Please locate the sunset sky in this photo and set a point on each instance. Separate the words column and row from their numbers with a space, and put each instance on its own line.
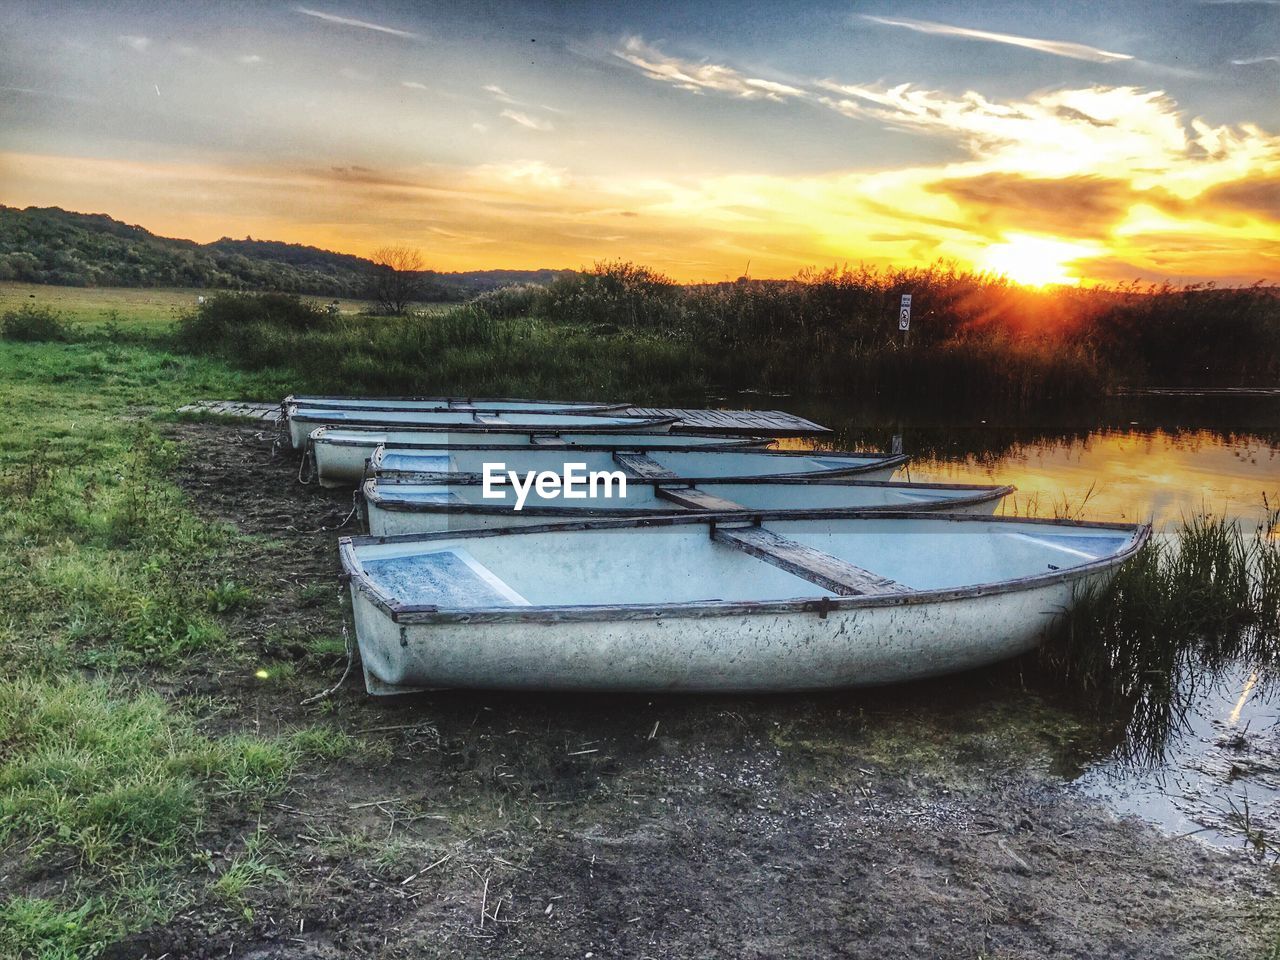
column 1054, row 142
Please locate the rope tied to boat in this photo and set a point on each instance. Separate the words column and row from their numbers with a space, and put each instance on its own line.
column 343, row 580
column 355, row 508
column 308, row 458
column 282, row 430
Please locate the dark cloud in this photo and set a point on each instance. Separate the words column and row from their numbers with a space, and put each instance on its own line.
column 1066, row 207
column 1259, row 197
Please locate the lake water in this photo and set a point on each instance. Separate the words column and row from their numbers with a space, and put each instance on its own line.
column 1130, row 459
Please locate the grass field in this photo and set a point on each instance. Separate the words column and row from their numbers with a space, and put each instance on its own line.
column 170, row 600
column 154, row 309
column 109, row 579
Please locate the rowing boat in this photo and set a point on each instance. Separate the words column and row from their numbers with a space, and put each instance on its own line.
column 393, row 508
column 489, row 404
column 713, row 603
column 689, row 466
column 303, row 420
column 342, row 455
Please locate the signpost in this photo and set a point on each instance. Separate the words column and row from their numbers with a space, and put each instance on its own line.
column 904, row 317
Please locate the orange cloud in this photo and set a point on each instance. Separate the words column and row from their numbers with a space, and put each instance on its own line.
column 1105, row 182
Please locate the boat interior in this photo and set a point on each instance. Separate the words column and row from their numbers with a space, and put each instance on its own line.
column 703, row 561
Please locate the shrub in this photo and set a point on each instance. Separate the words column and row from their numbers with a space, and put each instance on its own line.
column 36, row 323
column 626, row 328
column 227, row 317
column 508, row 303
column 617, row 293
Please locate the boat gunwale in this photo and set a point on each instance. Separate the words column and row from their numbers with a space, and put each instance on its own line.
column 873, row 460
column 978, row 494
column 730, row 443
column 636, row 424
column 823, row 604
column 385, row 404
column 874, row 455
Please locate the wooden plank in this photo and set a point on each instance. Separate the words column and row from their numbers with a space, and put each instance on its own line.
column 756, row 422
column 234, row 408
column 641, row 465
column 696, row 499
column 830, row 573
column 547, row 441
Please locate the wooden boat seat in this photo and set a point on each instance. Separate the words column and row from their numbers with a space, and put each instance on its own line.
column 491, row 419
column 695, row 499
column 641, row 466
column 547, row 441
column 831, row 573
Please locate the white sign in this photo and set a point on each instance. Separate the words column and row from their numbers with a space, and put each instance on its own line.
column 904, row 313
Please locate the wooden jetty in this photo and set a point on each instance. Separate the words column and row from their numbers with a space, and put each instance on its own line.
column 759, row 423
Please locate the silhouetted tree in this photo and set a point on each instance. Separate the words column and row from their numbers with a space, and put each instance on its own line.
column 397, row 278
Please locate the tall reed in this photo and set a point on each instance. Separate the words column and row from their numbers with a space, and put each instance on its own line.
column 1187, row 606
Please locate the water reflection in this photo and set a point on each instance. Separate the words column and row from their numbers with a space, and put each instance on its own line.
column 1219, row 777
column 1186, row 737
column 1135, row 459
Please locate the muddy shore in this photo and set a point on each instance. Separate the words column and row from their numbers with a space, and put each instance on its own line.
column 930, row 820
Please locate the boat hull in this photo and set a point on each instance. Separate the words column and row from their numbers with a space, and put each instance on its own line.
column 735, row 653
column 343, row 463
column 719, row 603
column 302, row 421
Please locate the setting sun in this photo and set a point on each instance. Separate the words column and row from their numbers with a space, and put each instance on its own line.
column 1034, row 261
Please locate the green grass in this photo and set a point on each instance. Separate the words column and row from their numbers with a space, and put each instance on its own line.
column 119, row 785
column 111, row 567
column 250, row 870
column 111, row 777
column 39, row 928
column 109, row 577
column 101, row 560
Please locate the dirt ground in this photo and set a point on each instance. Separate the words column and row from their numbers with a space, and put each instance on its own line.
column 930, row 820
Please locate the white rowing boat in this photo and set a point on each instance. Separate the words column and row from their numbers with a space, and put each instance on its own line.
column 394, row 508
column 303, row 420
column 689, row 466
column 712, row 603
column 341, row 455
column 488, row 404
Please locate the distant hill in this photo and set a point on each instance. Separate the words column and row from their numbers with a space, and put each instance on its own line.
column 55, row 246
